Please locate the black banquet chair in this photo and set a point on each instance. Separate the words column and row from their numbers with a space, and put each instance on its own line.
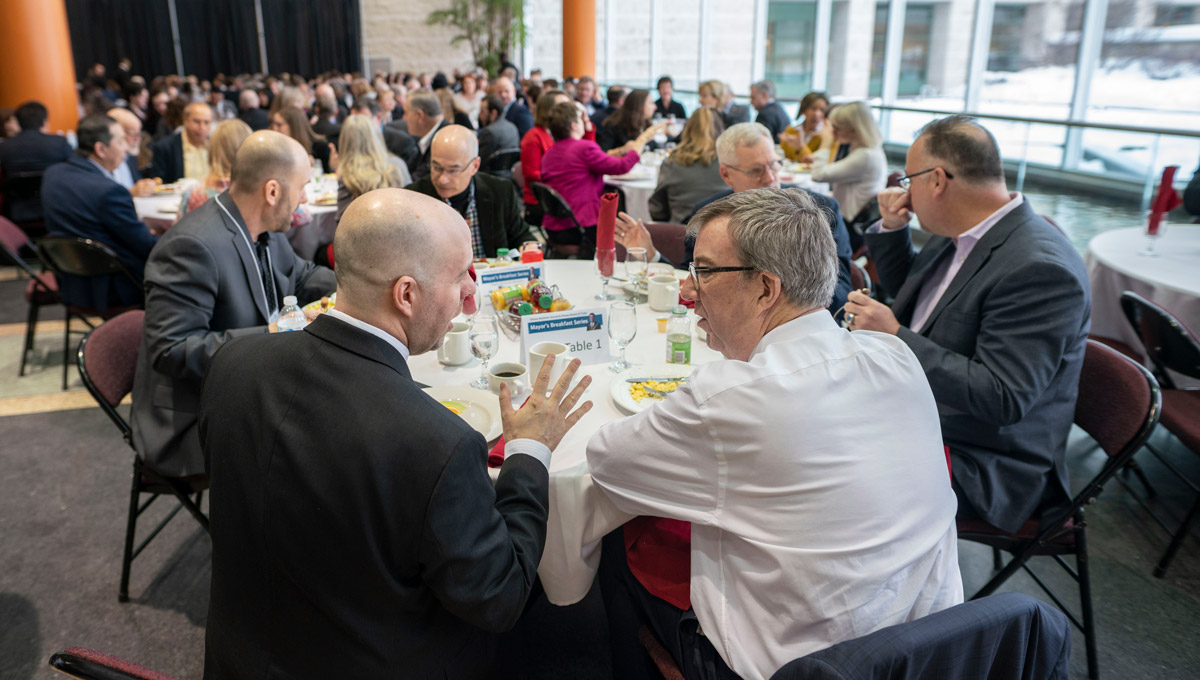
column 40, row 291
column 83, row 258
column 88, row 664
column 107, row 359
column 1172, row 347
column 1118, row 406
column 555, row 205
column 501, row 162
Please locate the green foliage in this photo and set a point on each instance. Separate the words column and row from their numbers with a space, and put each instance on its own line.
column 490, row 27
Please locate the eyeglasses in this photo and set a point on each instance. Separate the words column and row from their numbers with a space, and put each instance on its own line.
column 756, row 173
column 906, row 181
column 435, row 169
column 695, row 272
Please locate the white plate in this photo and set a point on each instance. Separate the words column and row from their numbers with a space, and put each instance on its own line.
column 482, row 408
column 631, row 176
column 619, row 389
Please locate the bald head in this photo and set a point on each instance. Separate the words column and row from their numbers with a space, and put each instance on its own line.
column 132, row 125
column 455, row 141
column 266, row 155
column 247, row 100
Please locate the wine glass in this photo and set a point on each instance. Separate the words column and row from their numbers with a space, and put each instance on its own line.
column 622, row 328
column 485, row 335
column 606, row 259
column 637, row 262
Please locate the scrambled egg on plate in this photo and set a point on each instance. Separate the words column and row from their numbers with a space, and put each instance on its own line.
column 638, row 391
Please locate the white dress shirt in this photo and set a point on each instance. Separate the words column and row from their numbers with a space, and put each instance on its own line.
column 529, row 447
column 816, row 483
column 939, row 280
column 123, row 175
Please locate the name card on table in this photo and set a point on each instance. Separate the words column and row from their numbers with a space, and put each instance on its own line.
column 581, row 330
column 501, row 277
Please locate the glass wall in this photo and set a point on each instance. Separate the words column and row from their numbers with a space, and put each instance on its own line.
column 789, row 46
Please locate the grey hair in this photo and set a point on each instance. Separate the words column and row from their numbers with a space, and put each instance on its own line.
column 782, row 231
column 742, row 134
column 765, row 86
column 426, row 101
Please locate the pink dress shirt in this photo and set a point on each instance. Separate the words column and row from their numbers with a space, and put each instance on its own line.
column 576, row 168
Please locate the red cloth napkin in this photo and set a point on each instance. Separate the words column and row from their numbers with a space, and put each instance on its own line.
column 469, row 303
column 606, row 222
column 496, row 455
column 659, row 553
column 1166, row 200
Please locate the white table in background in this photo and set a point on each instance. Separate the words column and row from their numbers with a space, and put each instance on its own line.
column 160, row 212
column 580, row 514
column 1171, row 280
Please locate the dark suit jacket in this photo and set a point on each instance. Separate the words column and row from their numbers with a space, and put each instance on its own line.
column 256, row 118
column 501, row 134
column 82, row 201
column 418, row 166
column 499, row 208
column 775, row 118
column 356, row 533
column 1003, row 637
column 26, row 152
column 202, row 290
column 675, row 109
column 1191, row 195
column 737, row 113
column 330, row 131
column 1002, row 350
column 401, row 144
column 167, row 161
column 518, row 114
column 601, row 114
column 837, row 226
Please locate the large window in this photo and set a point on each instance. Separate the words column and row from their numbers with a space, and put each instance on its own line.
column 789, row 59
column 914, row 51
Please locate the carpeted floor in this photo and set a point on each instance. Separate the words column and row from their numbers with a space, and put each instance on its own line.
column 63, row 486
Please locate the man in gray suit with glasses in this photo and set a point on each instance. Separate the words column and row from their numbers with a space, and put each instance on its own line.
column 996, row 306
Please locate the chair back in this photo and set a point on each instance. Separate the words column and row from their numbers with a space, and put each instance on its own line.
column 107, row 360
column 553, row 203
column 668, row 240
column 1168, row 343
column 859, row 278
column 518, row 178
column 83, row 257
column 12, row 240
column 88, row 664
column 1118, row 406
column 23, row 190
column 1009, row 635
column 501, row 162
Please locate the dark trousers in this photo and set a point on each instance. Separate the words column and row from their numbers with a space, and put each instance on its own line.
column 630, row 606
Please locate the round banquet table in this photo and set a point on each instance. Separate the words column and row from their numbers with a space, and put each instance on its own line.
column 159, row 212
column 580, row 514
column 639, row 184
column 1171, row 280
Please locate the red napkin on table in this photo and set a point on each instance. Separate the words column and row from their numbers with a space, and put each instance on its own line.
column 606, row 222
column 1166, row 200
column 496, row 454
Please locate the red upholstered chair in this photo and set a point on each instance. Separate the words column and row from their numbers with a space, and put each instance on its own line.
column 659, row 654
column 88, row 664
column 84, row 258
column 107, row 359
column 1119, row 405
column 668, row 240
column 1171, row 346
column 42, row 289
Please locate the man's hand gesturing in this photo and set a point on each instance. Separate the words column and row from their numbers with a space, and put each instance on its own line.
column 545, row 419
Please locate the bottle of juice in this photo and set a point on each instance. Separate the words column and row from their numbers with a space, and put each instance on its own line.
column 679, row 337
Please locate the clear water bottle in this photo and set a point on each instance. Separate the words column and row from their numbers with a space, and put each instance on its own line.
column 679, row 337
column 291, row 317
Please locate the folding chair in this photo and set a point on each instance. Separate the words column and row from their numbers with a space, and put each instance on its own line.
column 1171, row 346
column 107, row 359
column 42, row 289
column 23, row 202
column 554, row 205
column 83, row 258
column 88, row 664
column 1118, row 406
column 501, row 162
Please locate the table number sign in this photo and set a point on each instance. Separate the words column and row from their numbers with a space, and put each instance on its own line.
column 581, row 330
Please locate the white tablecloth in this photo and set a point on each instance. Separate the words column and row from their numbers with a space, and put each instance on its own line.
column 641, row 181
column 160, row 212
column 580, row 514
column 1171, row 280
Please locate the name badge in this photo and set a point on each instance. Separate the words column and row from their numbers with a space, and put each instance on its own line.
column 581, row 330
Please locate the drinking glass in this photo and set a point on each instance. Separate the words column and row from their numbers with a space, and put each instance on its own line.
column 637, row 262
column 1151, row 239
column 606, row 259
column 485, row 335
column 622, row 328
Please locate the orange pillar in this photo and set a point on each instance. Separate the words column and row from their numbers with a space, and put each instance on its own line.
column 37, row 60
column 579, row 38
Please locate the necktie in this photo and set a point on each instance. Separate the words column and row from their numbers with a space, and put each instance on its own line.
column 268, row 276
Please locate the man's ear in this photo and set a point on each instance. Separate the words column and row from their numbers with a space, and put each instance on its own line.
column 404, row 296
column 272, row 192
column 770, row 291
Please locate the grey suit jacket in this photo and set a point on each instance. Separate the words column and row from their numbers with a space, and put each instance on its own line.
column 202, row 290
column 501, row 134
column 681, row 187
column 1002, row 350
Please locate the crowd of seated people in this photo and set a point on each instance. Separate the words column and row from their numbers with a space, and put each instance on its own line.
column 768, row 265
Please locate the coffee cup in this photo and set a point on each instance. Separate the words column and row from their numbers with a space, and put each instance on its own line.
column 538, row 354
column 507, row 372
column 456, row 346
column 660, row 269
column 663, row 293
